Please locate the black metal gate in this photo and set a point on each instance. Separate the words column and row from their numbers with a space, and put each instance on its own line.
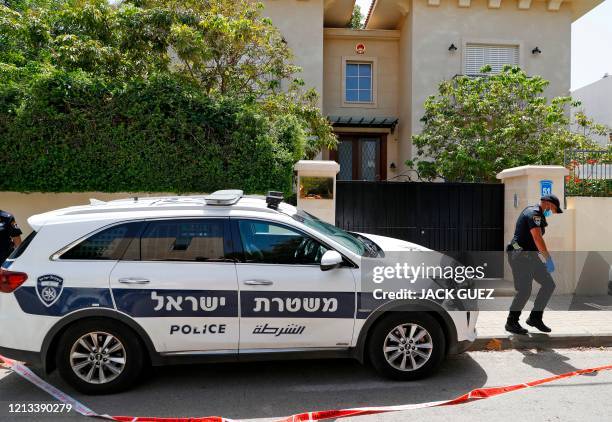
column 440, row 216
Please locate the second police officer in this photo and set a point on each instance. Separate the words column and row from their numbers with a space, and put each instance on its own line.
column 10, row 235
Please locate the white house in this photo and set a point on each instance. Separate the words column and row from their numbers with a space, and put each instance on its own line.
column 596, row 100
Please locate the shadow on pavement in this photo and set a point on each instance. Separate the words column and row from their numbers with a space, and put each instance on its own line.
column 550, row 360
column 265, row 389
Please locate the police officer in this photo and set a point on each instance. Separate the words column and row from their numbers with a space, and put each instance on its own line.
column 10, row 235
column 524, row 252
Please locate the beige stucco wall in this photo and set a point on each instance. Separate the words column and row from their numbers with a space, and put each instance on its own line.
column 382, row 48
column 435, row 28
column 325, row 209
column 593, row 241
column 524, row 182
column 24, row 205
column 405, row 93
column 383, row 51
column 580, row 239
column 301, row 24
column 410, row 67
column 593, row 219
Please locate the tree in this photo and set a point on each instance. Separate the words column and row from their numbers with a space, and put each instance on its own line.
column 114, row 42
column 477, row 126
column 227, row 48
column 356, row 21
column 150, row 95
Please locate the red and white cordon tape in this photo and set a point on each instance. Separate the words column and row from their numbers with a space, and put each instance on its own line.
column 477, row 394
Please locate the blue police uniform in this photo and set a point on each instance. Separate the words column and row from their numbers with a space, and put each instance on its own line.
column 8, row 230
column 527, row 266
column 530, row 217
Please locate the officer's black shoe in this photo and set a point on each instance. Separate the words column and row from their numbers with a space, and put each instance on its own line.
column 515, row 328
column 539, row 324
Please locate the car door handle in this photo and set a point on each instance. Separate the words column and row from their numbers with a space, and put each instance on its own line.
column 134, row 280
column 258, row 282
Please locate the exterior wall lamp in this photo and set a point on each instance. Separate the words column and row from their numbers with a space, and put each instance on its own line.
column 452, row 48
column 536, row 51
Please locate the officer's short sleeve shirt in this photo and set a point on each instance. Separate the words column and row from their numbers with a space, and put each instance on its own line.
column 530, row 218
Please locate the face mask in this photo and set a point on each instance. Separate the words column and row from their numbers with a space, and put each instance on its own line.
column 547, row 213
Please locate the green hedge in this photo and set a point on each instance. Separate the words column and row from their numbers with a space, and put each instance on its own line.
column 68, row 131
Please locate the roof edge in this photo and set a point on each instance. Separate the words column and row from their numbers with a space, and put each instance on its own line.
column 348, row 33
column 579, row 8
column 370, row 10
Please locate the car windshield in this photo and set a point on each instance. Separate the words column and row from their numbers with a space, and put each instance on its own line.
column 354, row 242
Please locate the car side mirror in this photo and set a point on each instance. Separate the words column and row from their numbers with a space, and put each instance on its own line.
column 330, row 260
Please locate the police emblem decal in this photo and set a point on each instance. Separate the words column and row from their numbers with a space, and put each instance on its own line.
column 49, row 288
column 537, row 220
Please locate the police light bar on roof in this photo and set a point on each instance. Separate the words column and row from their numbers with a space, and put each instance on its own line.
column 224, row 197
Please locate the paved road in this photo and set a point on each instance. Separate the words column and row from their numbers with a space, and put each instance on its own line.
column 266, row 390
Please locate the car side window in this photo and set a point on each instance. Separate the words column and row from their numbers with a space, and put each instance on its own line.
column 108, row 244
column 271, row 243
column 198, row 240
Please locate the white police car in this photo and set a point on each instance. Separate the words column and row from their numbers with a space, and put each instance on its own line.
column 100, row 291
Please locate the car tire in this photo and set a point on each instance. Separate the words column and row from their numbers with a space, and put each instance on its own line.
column 99, row 357
column 397, row 355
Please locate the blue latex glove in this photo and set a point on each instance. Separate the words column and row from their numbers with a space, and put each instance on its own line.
column 550, row 265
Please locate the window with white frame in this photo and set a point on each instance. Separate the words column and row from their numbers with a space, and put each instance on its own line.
column 358, row 82
column 496, row 56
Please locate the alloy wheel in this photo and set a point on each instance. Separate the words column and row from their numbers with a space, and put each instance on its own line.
column 98, row 357
column 408, row 347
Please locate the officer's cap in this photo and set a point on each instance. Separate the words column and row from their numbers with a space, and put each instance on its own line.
column 553, row 199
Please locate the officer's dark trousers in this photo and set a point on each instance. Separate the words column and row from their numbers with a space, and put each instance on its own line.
column 526, row 267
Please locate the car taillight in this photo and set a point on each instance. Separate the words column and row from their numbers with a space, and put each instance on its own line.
column 11, row 280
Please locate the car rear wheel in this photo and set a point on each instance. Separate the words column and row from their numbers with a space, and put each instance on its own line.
column 99, row 357
column 407, row 346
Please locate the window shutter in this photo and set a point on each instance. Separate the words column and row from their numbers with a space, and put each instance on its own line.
column 496, row 56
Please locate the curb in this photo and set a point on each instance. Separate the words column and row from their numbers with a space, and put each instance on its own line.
column 541, row 341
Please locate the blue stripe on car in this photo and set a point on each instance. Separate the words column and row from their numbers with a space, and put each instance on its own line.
column 148, row 303
column 142, row 303
column 272, row 304
column 71, row 299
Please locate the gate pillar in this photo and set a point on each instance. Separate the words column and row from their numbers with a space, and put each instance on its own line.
column 316, row 188
column 524, row 186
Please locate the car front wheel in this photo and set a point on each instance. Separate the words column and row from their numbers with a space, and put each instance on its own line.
column 407, row 346
column 99, row 357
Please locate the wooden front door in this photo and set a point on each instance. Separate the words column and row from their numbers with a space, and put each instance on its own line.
column 361, row 156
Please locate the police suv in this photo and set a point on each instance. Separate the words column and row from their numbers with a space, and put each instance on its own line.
column 103, row 290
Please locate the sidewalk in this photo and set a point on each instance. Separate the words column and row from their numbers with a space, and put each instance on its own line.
column 592, row 328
